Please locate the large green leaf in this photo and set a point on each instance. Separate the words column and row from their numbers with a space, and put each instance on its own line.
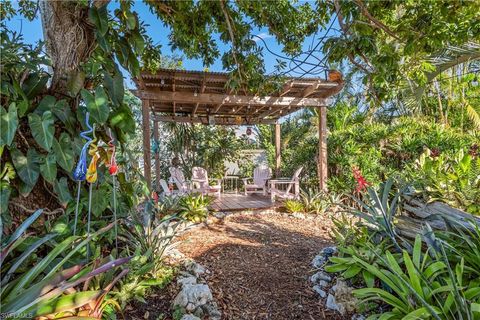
column 42, row 128
column 97, row 105
column 61, row 189
column 27, row 166
column 75, row 82
column 67, row 302
column 34, row 84
column 99, row 16
column 63, row 151
column 123, row 119
column 48, row 169
column 8, row 124
column 46, row 104
column 4, row 196
column 100, row 199
column 64, row 113
column 114, row 86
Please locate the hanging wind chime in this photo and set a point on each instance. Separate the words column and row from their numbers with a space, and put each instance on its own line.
column 90, row 174
column 80, row 172
column 113, row 170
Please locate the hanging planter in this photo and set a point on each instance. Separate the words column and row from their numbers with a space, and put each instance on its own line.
column 334, row 76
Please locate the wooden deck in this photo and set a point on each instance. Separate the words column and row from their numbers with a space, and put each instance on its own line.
column 236, row 202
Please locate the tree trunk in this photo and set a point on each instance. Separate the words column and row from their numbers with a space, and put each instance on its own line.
column 69, row 38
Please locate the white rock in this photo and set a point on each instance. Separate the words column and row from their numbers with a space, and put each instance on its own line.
column 196, row 269
column 186, row 280
column 318, row 261
column 219, row 215
column 328, row 251
column 319, row 290
column 320, row 276
column 190, row 317
column 193, row 296
column 358, row 317
column 298, row 215
column 211, row 309
column 332, row 304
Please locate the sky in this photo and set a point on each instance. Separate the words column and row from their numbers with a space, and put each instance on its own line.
column 32, row 32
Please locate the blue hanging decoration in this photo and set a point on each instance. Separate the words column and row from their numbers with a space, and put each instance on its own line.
column 80, row 172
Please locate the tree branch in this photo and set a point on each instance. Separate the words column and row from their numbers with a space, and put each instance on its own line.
column 230, row 31
column 376, row 22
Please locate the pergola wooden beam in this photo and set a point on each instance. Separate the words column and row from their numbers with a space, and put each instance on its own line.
column 147, row 164
column 322, row 169
column 224, row 99
column 218, row 120
column 308, row 91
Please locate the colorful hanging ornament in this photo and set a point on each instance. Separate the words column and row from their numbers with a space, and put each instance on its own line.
column 113, row 169
column 91, row 178
column 80, row 171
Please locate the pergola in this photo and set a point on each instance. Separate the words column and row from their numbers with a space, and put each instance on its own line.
column 204, row 98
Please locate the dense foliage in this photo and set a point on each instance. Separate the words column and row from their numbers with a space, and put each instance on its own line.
column 434, row 276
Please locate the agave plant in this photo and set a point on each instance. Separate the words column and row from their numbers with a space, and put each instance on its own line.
column 293, row 206
column 49, row 286
column 379, row 211
column 149, row 237
column 314, row 201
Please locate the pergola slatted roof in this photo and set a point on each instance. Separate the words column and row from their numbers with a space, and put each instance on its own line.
column 203, row 97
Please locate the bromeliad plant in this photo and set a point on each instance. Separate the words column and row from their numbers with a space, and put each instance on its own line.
column 194, row 207
column 50, row 286
column 148, row 239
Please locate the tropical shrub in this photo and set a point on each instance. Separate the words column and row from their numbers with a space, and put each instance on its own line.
column 293, row 206
column 33, row 286
column 436, row 278
column 451, row 178
column 194, row 207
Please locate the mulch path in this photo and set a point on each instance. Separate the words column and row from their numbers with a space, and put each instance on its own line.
column 260, row 264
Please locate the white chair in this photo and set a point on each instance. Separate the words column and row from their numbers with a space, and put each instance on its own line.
column 260, row 178
column 288, row 184
column 200, row 180
column 166, row 190
column 179, row 180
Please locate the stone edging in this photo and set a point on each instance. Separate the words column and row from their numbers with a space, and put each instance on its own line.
column 338, row 296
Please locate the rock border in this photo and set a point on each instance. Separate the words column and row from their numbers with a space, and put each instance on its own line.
column 334, row 292
column 194, row 299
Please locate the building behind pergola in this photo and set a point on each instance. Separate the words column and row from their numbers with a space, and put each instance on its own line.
column 204, row 98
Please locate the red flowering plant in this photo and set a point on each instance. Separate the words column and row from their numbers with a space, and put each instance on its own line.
column 361, row 182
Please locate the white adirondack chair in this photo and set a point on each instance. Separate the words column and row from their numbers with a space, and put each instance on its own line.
column 179, row 180
column 258, row 184
column 200, row 181
column 291, row 187
column 165, row 189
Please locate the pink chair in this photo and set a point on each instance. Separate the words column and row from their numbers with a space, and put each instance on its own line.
column 260, row 178
column 286, row 192
column 179, row 180
column 200, row 180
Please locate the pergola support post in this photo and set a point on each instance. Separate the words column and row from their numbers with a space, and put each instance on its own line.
column 156, row 136
column 146, row 142
column 278, row 157
column 322, row 148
